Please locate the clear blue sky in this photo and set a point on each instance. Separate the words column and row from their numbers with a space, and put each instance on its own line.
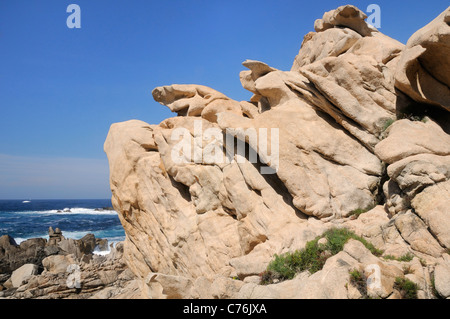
column 61, row 88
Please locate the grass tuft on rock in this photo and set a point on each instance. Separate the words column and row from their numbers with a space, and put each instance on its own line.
column 313, row 257
column 357, row 212
column 406, row 258
column 358, row 280
column 407, row 288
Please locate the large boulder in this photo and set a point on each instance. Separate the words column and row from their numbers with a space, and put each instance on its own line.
column 23, row 273
column 345, row 16
column 13, row 256
column 442, row 278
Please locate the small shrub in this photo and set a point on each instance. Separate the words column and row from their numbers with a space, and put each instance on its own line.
column 340, row 236
column 407, row 270
column 406, row 287
column 313, row 257
column 407, row 257
column 358, row 280
column 413, row 115
column 359, row 211
column 389, row 257
column 356, row 276
column 423, row 262
column 387, row 123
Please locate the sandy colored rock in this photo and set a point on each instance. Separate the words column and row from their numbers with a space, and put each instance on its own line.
column 442, row 279
column 380, row 47
column 407, row 138
column 57, row 263
column 20, row 275
column 415, row 233
column 433, row 206
column 422, row 71
column 304, row 156
column 348, row 16
column 329, row 43
column 362, row 99
column 203, row 218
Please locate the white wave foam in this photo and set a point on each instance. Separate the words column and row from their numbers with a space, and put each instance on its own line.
column 72, row 211
column 75, row 235
column 101, row 252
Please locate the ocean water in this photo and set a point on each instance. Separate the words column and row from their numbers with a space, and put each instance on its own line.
column 24, row 219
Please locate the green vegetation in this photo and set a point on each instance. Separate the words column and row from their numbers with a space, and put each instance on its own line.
column 407, row 270
column 356, row 277
column 313, row 257
column 423, row 262
column 358, row 280
column 407, row 257
column 388, row 123
column 360, row 211
column 412, row 117
column 413, row 113
column 433, row 288
column 406, row 287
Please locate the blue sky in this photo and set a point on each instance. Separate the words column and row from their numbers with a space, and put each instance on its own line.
column 61, row 88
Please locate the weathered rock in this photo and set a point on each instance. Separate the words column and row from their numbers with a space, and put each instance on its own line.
column 13, row 256
column 78, row 247
column 23, row 273
column 66, row 276
column 383, row 49
column 422, row 71
column 359, row 94
column 304, row 156
column 101, row 244
column 415, row 233
column 345, row 16
column 168, row 287
column 418, row 152
column 329, row 43
column 198, row 210
column 442, row 279
column 381, row 286
column 433, row 206
column 407, row 138
column 55, row 236
column 376, row 227
column 58, row 263
column 195, row 100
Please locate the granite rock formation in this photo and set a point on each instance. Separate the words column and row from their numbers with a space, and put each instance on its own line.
column 360, row 123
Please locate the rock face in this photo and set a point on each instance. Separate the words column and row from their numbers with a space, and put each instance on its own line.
column 423, row 68
column 22, row 274
column 13, row 256
column 213, row 194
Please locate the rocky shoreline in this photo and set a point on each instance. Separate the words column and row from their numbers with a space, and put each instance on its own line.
column 64, row 268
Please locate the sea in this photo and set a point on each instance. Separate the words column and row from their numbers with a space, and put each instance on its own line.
column 24, row 219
